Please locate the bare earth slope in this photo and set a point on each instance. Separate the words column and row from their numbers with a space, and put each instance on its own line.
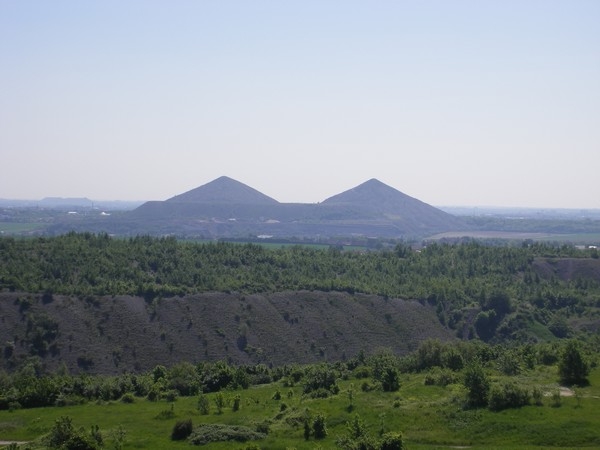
column 119, row 334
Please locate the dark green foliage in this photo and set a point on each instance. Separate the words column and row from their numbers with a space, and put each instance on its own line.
column 183, row 378
column 236, row 402
column 64, row 436
column 507, row 395
column 392, row 441
column 321, row 381
column 440, row 377
column 207, row 433
column 307, row 430
column 128, row 398
column 181, row 430
column 477, row 383
column 319, row 427
column 385, row 371
column 220, row 402
column 203, row 404
column 357, row 437
column 449, row 277
column 573, row 367
column 214, row 377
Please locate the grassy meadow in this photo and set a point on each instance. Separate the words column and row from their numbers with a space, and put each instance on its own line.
column 430, row 417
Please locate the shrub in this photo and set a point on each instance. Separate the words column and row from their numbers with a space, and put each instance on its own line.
column 203, row 404
column 385, row 371
column 322, row 378
column 207, row 433
column 64, row 436
column 556, row 398
column 128, row 398
column 181, row 430
column 263, row 427
column 362, row 372
column 319, row 427
column 507, row 395
column 236, row 403
column 219, row 402
column 171, row 395
column 440, row 377
column 477, row 383
column 391, row 441
column 572, row 365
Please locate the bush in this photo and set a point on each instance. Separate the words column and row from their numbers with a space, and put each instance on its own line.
column 203, row 404
column 181, row 430
column 507, row 395
column 321, row 378
column 319, row 427
column 64, row 436
column 538, row 396
column 385, row 371
column 440, row 377
column 477, row 383
column 128, row 398
column 171, row 395
column 391, row 441
column 207, row 433
column 236, row 403
column 572, row 365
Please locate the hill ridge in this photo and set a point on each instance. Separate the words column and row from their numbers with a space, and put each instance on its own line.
column 226, row 208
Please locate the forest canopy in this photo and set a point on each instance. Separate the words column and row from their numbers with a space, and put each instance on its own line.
column 499, row 290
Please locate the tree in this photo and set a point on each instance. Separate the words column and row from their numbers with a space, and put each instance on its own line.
column 572, row 365
column 385, row 371
column 477, row 383
column 181, row 430
column 203, row 404
column 319, row 427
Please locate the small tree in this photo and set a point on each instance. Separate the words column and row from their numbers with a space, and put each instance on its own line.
column 236, row 402
column 306, row 429
column 572, row 366
column 392, row 441
column 477, row 383
column 319, row 427
column 219, row 402
column 181, row 430
column 118, row 437
column 203, row 404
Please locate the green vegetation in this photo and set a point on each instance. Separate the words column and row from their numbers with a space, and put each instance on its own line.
column 525, row 411
column 524, row 373
column 503, row 293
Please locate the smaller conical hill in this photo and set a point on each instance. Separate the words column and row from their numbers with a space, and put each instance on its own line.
column 224, row 190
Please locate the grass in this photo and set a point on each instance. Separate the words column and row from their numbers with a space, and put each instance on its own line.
column 430, row 417
column 17, row 228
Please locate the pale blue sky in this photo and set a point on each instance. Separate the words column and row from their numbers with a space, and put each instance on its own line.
column 453, row 102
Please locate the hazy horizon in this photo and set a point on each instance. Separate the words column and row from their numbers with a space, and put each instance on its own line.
column 462, row 103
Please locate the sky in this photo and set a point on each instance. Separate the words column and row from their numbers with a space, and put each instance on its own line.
column 454, row 102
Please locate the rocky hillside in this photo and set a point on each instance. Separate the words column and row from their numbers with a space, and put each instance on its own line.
column 122, row 333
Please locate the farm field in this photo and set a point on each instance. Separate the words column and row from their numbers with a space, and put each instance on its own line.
column 20, row 228
column 430, row 417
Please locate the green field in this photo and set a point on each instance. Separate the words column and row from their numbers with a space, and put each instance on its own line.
column 430, row 417
column 8, row 228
